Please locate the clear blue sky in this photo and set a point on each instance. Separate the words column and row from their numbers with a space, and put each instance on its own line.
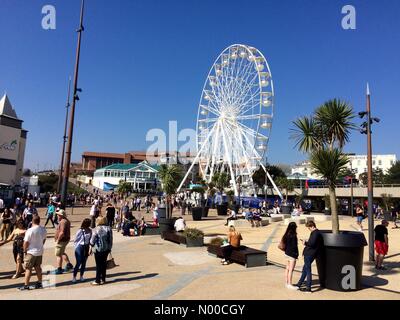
column 144, row 63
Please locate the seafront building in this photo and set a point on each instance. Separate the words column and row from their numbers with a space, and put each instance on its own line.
column 358, row 163
column 12, row 145
column 142, row 176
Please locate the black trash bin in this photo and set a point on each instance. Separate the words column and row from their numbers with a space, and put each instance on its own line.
column 197, row 213
column 222, row 209
column 286, row 209
column 340, row 263
column 162, row 211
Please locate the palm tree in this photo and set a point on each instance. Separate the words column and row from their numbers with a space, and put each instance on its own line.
column 323, row 135
column 124, row 188
column 170, row 177
column 328, row 164
column 285, row 184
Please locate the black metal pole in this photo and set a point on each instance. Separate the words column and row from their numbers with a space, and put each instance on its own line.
column 370, row 185
column 75, row 98
column 351, row 197
column 60, row 178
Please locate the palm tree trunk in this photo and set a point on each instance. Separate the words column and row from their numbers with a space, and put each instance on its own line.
column 334, row 211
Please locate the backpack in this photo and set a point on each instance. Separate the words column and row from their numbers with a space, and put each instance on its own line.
column 103, row 242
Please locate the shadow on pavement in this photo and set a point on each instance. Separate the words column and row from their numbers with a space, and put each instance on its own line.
column 69, row 283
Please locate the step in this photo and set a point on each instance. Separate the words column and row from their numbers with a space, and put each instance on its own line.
column 298, row 220
column 307, row 217
column 275, row 218
column 242, row 223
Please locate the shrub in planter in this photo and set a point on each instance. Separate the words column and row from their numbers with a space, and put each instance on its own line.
column 194, row 237
column 217, row 242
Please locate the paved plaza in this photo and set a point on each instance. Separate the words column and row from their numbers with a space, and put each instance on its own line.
column 151, row 268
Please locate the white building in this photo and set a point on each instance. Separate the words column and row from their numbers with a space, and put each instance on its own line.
column 358, row 163
column 12, row 144
column 141, row 176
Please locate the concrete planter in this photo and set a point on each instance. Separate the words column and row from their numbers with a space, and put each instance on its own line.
column 166, row 225
column 197, row 242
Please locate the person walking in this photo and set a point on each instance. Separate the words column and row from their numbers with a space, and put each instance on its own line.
column 62, row 237
column 289, row 244
column 28, row 214
column 381, row 244
column 51, row 209
column 94, row 214
column 82, row 248
column 360, row 217
column 234, row 238
column 110, row 214
column 394, row 211
column 17, row 236
column 101, row 243
column 6, row 217
column 312, row 248
column 33, row 246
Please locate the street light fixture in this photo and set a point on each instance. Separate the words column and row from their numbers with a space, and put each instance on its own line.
column 366, row 129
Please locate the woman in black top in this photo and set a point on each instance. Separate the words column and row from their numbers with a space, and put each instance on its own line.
column 289, row 245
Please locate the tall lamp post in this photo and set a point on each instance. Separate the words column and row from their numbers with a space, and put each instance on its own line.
column 75, row 98
column 366, row 129
column 60, row 178
column 351, row 191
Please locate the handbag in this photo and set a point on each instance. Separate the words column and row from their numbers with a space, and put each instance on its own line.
column 111, row 262
column 282, row 245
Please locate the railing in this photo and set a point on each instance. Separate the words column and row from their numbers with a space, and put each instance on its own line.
column 354, row 186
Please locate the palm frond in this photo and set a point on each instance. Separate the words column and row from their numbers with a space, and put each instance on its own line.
column 335, row 118
column 328, row 163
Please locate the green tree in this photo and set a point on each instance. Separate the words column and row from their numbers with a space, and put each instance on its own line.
column 378, row 177
column 323, row 136
column 124, row 188
column 259, row 175
column 221, row 180
column 286, row 184
column 170, row 176
column 393, row 174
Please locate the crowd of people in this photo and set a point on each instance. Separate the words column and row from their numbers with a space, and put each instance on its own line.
column 22, row 226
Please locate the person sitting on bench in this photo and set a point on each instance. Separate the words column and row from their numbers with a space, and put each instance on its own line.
column 232, row 216
column 256, row 218
column 180, row 225
column 249, row 216
column 141, row 227
column 234, row 238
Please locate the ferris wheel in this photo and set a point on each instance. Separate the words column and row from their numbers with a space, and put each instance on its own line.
column 235, row 116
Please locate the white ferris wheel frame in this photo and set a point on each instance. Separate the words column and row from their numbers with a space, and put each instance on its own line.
column 226, row 126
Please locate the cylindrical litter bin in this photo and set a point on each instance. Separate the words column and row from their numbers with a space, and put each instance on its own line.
column 340, row 263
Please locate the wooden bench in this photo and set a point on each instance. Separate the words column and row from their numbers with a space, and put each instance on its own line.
column 249, row 257
column 173, row 236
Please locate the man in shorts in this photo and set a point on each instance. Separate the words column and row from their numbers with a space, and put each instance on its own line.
column 34, row 239
column 381, row 244
column 62, row 237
